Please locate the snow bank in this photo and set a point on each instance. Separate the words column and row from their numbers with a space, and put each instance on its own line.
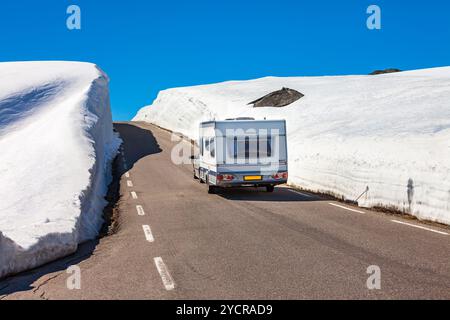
column 390, row 133
column 57, row 144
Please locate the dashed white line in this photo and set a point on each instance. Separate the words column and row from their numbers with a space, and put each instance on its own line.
column 420, row 227
column 127, row 175
column 148, row 233
column 129, row 183
column 134, row 195
column 345, row 208
column 166, row 278
column 140, row 210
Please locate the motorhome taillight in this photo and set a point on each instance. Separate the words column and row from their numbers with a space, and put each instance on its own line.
column 280, row 176
column 225, row 177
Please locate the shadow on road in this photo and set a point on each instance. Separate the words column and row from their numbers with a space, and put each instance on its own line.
column 281, row 194
column 138, row 143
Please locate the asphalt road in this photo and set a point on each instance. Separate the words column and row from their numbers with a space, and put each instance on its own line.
column 239, row 244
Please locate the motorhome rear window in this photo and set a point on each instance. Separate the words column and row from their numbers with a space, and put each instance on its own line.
column 268, row 143
column 201, row 146
column 249, row 147
column 212, row 148
column 264, row 147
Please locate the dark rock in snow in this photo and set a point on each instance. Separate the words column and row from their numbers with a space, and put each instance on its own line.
column 392, row 70
column 280, row 98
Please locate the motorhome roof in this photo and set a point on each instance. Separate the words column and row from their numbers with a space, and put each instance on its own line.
column 225, row 122
column 241, row 120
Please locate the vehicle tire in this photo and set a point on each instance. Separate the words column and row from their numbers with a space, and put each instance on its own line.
column 212, row 189
column 195, row 176
column 270, row 188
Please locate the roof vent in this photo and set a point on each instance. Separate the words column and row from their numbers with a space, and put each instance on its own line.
column 240, row 118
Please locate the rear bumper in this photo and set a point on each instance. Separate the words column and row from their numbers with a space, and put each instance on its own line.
column 261, row 183
column 239, row 180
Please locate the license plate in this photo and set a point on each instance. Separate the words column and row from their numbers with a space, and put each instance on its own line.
column 252, row 178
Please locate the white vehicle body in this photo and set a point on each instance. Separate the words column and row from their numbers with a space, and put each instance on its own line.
column 241, row 153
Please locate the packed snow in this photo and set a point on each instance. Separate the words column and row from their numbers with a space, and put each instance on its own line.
column 388, row 133
column 57, row 144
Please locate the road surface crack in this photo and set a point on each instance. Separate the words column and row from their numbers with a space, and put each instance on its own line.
column 35, row 290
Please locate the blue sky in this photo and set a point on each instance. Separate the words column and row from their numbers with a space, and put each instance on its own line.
column 147, row 45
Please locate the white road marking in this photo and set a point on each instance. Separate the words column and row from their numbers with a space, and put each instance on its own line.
column 127, row 175
column 140, row 210
column 301, row 193
column 148, row 233
column 134, row 195
column 345, row 208
column 129, row 183
column 420, row 227
column 166, row 278
column 125, row 166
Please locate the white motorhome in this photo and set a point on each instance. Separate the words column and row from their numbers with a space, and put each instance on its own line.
column 242, row 152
